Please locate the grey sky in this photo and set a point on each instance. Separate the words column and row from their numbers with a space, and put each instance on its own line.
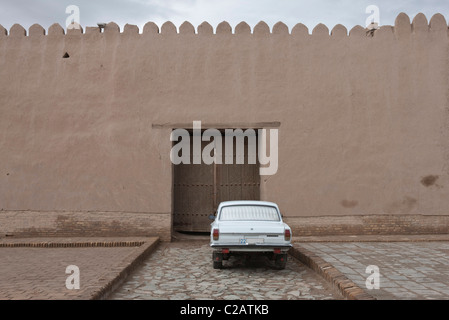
column 310, row 13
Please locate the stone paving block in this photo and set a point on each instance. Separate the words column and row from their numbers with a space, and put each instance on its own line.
column 408, row 270
column 240, row 280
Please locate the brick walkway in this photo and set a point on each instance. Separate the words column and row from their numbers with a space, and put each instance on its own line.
column 36, row 268
column 407, row 270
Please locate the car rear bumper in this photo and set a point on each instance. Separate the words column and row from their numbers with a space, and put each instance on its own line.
column 252, row 247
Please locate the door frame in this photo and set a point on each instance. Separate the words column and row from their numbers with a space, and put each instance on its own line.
column 170, row 126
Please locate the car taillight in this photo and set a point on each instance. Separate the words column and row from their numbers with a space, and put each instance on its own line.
column 287, row 235
column 215, row 234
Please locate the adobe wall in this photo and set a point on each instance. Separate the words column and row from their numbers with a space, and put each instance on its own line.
column 364, row 121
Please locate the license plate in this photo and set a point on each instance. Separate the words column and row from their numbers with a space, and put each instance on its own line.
column 254, row 240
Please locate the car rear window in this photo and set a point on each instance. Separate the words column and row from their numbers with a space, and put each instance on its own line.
column 249, row 213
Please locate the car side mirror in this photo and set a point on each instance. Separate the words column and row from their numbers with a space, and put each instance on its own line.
column 212, row 217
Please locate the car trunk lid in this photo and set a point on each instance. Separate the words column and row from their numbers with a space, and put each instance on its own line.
column 252, row 228
column 251, row 233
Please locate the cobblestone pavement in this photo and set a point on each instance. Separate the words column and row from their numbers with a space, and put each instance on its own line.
column 407, row 270
column 183, row 270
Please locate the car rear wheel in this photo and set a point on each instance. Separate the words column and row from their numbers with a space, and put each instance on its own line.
column 217, row 259
column 280, row 261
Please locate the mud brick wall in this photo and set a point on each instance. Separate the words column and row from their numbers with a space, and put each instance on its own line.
column 86, row 224
column 369, row 225
column 86, row 116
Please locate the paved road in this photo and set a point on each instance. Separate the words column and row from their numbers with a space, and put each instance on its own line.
column 183, row 270
column 407, row 270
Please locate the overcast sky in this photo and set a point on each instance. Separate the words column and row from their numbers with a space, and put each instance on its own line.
column 138, row 12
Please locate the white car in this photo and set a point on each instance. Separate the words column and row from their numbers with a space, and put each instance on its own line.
column 245, row 227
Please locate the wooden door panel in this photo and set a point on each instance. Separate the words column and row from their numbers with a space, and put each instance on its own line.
column 194, row 189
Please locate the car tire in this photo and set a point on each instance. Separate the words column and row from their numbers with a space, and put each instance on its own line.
column 280, row 261
column 217, row 259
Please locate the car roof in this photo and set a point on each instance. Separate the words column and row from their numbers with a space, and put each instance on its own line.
column 247, row 202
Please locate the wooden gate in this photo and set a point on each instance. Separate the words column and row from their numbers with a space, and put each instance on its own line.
column 199, row 188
